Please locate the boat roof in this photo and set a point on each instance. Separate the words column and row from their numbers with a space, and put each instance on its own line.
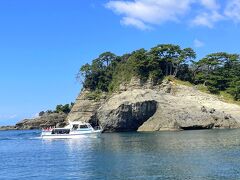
column 78, row 122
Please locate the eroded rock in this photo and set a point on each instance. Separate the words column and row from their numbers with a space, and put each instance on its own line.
column 145, row 107
column 127, row 117
column 47, row 120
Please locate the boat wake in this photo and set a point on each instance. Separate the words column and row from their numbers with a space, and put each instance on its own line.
column 19, row 135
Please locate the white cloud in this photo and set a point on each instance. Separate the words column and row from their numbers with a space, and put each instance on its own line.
column 144, row 14
column 7, row 116
column 207, row 19
column 210, row 15
column 232, row 10
column 210, row 4
column 197, row 43
column 134, row 22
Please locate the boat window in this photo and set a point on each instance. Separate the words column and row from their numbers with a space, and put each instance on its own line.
column 83, row 126
column 75, row 126
column 61, row 131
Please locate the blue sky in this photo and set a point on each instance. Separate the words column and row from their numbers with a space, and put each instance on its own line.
column 43, row 43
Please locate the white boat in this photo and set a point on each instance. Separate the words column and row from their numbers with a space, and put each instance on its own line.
column 75, row 129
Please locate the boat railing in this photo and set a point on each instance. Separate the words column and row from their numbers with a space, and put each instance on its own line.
column 47, row 129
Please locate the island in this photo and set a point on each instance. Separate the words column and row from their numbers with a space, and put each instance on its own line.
column 164, row 88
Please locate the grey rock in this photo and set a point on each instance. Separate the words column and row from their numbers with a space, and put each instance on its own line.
column 85, row 109
column 127, row 117
column 47, row 120
column 212, row 110
column 5, row 128
column 203, row 109
column 149, row 107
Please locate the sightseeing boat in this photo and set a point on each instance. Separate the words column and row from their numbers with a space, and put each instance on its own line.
column 73, row 130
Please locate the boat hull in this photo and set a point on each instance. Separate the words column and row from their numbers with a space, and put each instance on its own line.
column 71, row 136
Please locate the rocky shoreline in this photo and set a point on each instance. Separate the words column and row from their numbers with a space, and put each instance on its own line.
column 7, row 128
column 139, row 106
column 46, row 120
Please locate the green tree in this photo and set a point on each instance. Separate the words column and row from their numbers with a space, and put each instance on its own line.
column 107, row 58
column 218, row 71
column 41, row 113
column 234, row 89
column 63, row 108
column 172, row 57
column 185, row 56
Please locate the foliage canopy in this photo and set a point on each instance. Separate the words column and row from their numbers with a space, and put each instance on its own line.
column 217, row 71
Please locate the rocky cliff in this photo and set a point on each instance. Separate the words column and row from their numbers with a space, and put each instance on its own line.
column 85, row 108
column 148, row 107
column 144, row 106
column 46, row 120
column 125, row 115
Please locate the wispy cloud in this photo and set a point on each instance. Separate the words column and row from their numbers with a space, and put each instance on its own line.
column 210, row 4
column 209, row 15
column 207, row 19
column 197, row 43
column 232, row 10
column 135, row 22
column 8, row 116
column 145, row 14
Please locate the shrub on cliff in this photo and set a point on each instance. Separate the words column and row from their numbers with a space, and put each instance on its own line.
column 59, row 109
column 217, row 71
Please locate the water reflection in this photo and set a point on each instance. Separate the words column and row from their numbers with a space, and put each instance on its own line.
column 170, row 155
column 202, row 154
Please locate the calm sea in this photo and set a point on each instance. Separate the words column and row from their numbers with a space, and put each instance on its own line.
column 206, row 154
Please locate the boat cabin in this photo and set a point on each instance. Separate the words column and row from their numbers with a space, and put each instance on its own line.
column 73, row 127
column 72, row 130
column 60, row 131
column 79, row 126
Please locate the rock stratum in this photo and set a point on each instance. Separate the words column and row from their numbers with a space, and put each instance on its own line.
column 142, row 106
column 46, row 120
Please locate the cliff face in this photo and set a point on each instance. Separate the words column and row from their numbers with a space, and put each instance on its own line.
column 47, row 120
column 187, row 108
column 127, row 115
column 145, row 107
column 85, row 108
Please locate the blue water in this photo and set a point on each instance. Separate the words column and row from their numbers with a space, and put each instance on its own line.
column 207, row 155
